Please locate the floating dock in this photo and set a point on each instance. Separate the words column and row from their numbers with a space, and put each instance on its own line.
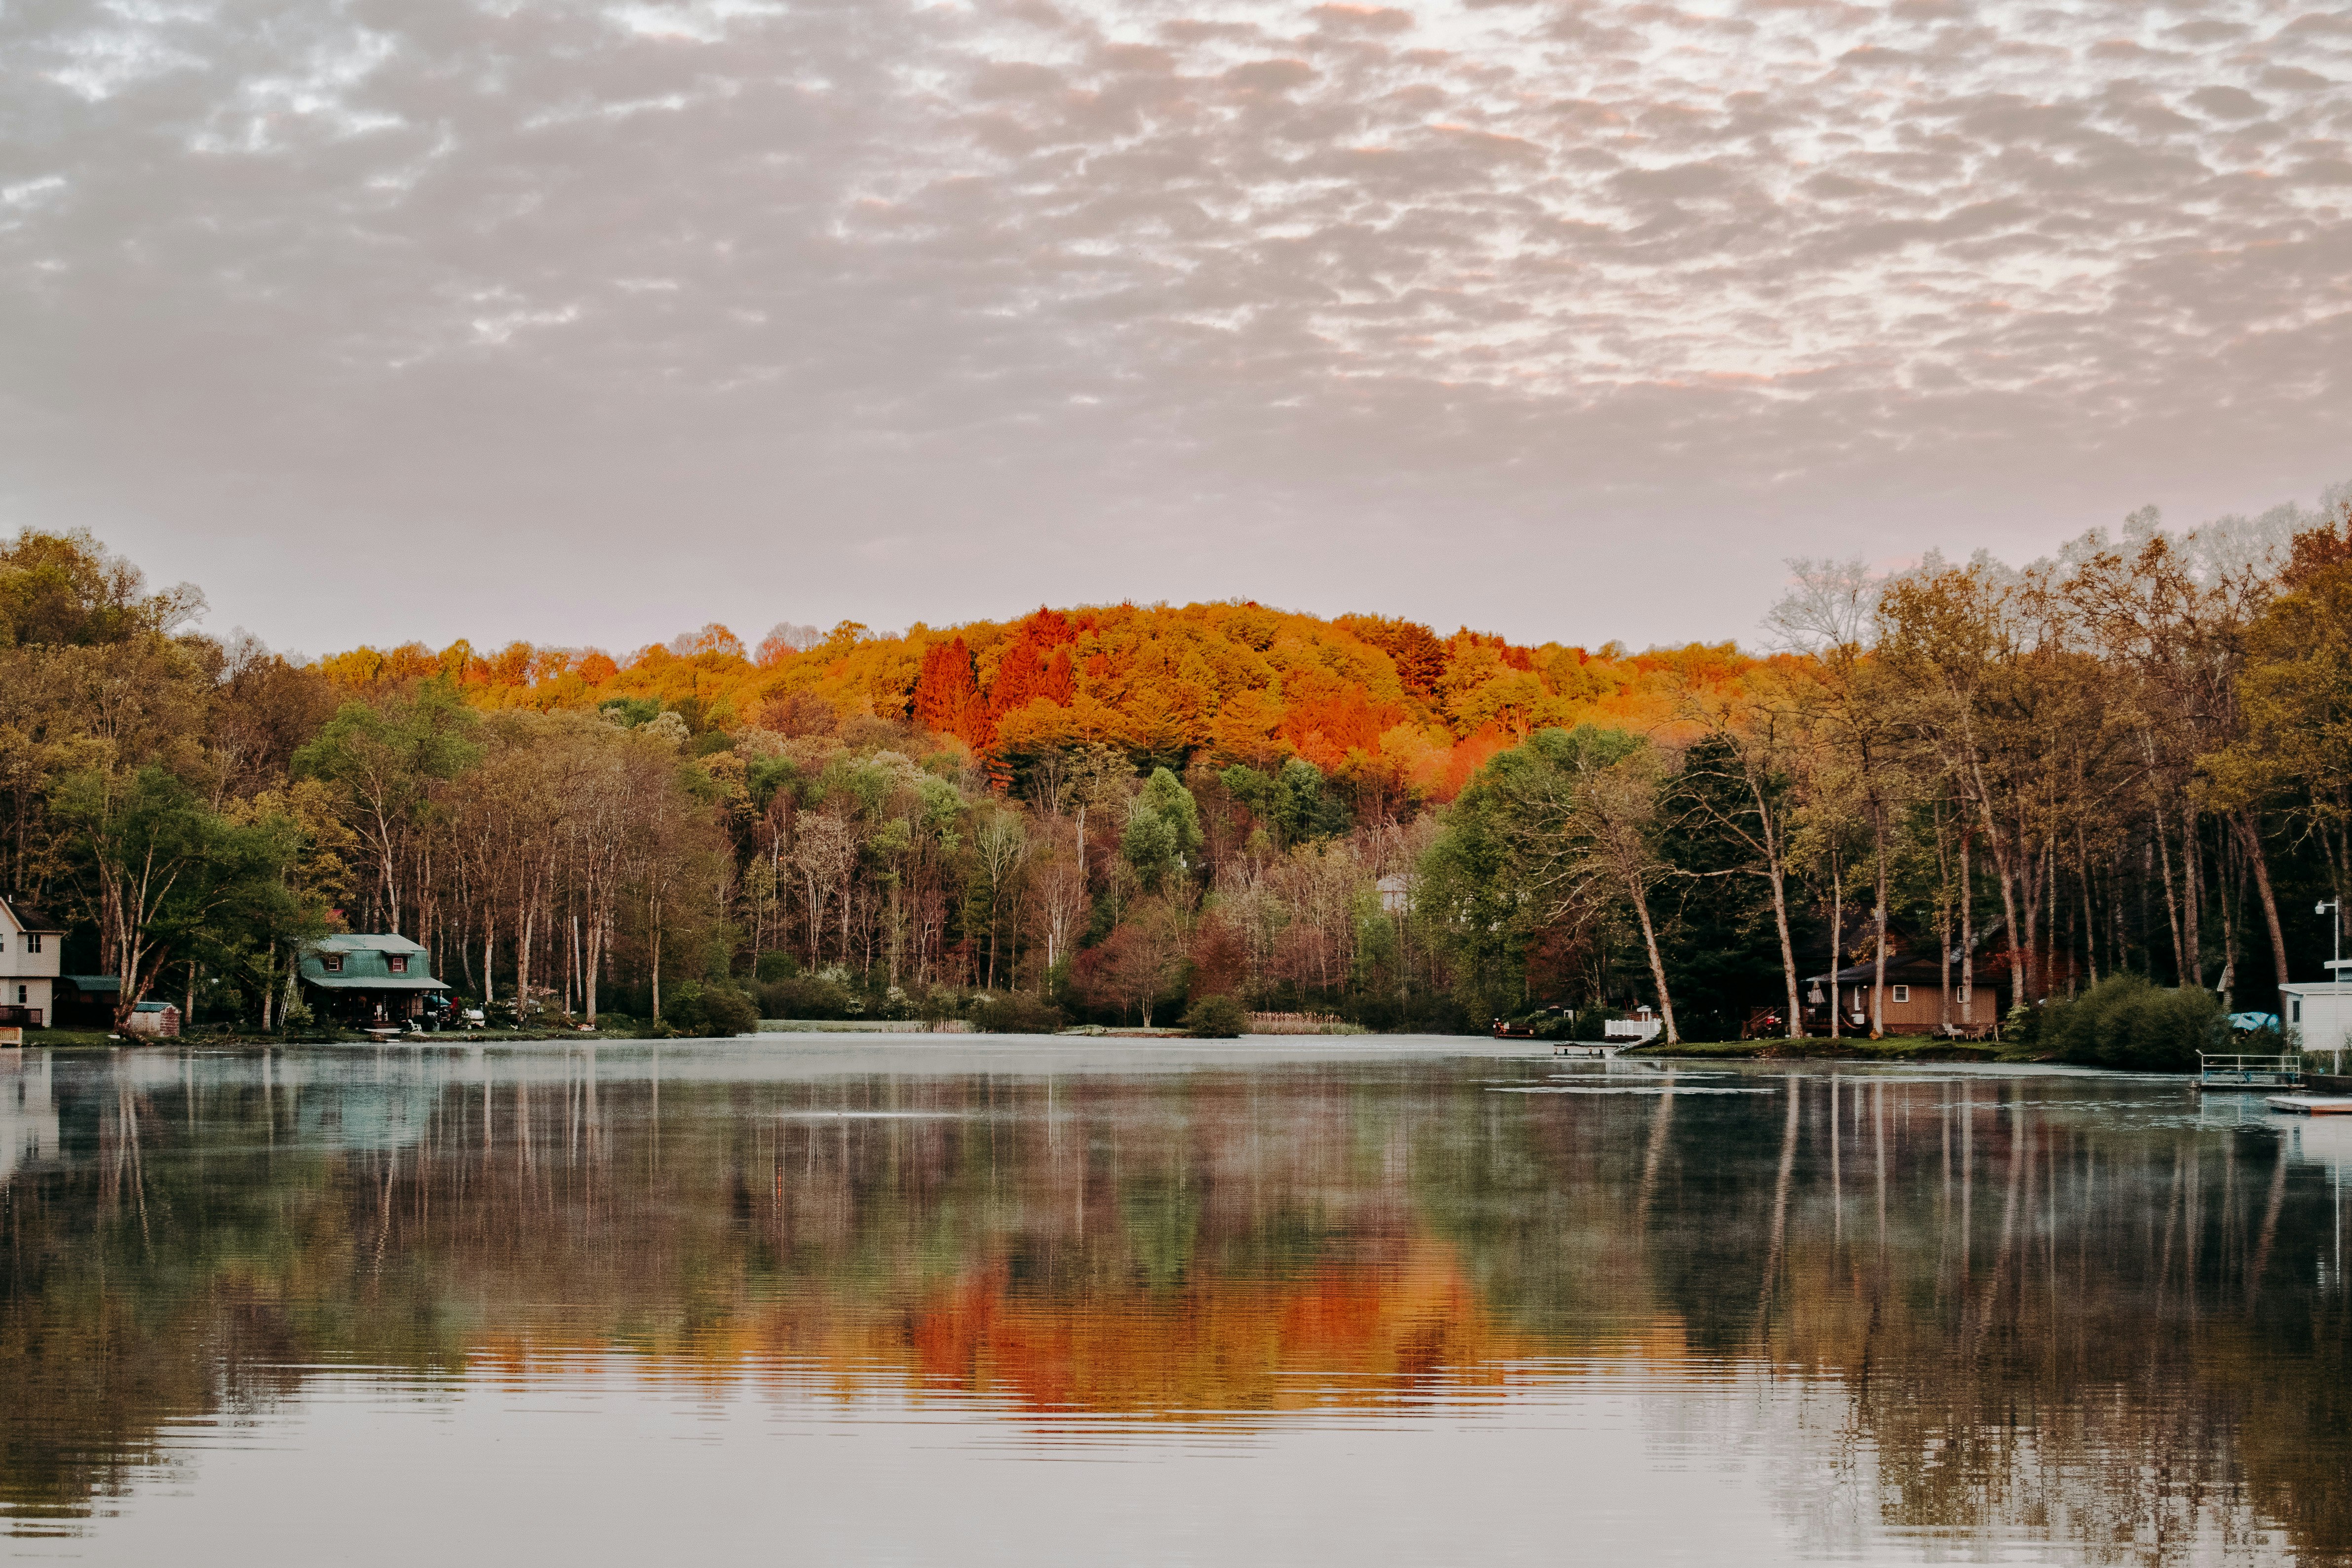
column 2312, row 1105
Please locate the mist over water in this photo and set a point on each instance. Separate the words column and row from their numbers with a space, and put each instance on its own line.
column 936, row 1298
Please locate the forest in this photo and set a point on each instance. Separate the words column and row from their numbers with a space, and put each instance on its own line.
column 2123, row 763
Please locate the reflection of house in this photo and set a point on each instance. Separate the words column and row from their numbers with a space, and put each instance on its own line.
column 28, row 1113
column 1915, row 997
column 365, row 980
column 29, row 944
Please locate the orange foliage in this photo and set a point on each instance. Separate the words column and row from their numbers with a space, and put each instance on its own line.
column 1221, row 682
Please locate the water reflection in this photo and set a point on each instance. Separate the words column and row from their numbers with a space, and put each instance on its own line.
column 1914, row 1314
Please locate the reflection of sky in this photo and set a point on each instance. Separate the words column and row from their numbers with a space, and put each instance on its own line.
column 597, row 1461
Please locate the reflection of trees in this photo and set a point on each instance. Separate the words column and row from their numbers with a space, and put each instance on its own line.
column 2047, row 1316
column 2002, row 1313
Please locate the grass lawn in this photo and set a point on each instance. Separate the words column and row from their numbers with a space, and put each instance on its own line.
column 1895, row 1048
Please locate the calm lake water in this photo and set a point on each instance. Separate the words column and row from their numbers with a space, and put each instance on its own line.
column 944, row 1299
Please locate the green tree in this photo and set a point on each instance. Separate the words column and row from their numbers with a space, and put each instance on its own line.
column 163, row 874
column 386, row 760
column 1163, row 829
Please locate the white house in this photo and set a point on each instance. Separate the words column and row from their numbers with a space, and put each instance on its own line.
column 2320, row 1015
column 31, row 949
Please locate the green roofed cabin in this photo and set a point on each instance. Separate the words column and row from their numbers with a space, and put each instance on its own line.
column 368, row 981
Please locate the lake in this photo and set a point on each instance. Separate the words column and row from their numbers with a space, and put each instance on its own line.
column 960, row 1299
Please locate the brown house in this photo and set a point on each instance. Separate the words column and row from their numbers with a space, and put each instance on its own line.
column 1914, row 1001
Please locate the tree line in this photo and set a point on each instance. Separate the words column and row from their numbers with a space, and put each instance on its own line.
column 2125, row 760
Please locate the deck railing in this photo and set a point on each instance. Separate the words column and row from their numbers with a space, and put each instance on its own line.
column 2234, row 1068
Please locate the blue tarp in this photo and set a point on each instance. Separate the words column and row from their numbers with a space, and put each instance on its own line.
column 2254, row 1020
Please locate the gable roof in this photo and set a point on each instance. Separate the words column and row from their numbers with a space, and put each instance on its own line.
column 29, row 918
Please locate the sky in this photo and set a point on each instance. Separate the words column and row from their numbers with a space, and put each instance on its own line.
column 589, row 323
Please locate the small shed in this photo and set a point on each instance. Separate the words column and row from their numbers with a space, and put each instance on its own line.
column 157, row 1020
column 1396, row 894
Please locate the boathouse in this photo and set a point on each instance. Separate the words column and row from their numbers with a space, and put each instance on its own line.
column 364, row 981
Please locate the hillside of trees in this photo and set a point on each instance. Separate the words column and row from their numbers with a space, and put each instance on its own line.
column 2125, row 760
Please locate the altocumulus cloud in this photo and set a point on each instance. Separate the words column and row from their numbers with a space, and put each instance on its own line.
column 1566, row 319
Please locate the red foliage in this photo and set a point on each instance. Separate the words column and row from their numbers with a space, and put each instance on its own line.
column 1471, row 755
column 947, row 695
column 1035, row 663
column 1219, row 960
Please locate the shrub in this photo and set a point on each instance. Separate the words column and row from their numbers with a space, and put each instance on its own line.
column 1215, row 1018
column 1590, row 1023
column 710, row 1010
column 2126, row 1021
column 1016, row 1012
column 775, row 964
column 805, row 996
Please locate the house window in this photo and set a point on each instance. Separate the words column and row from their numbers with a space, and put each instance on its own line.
column 21, row 995
column 2294, row 1010
column 332, row 962
column 32, row 941
column 1902, row 993
column 397, row 963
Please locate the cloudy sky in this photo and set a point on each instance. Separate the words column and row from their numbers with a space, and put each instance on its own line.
column 589, row 323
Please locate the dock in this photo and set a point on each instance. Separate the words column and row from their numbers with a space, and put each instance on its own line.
column 2312, row 1105
column 2232, row 1071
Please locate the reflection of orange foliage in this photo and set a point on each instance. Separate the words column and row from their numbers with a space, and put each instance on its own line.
column 1340, row 1335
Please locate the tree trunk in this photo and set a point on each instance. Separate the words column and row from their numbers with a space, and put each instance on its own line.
column 1837, row 948
column 2192, row 878
column 1775, row 873
column 1967, row 935
column 595, row 955
column 2251, row 837
column 2171, row 905
column 2003, row 871
column 1878, row 980
column 1657, row 964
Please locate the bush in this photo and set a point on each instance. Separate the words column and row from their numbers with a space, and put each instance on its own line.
column 805, row 996
column 709, row 1011
column 775, row 965
column 1016, row 1012
column 1215, row 1018
column 2125, row 1021
column 1590, row 1023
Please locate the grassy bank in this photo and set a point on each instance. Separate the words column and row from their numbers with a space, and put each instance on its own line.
column 1895, row 1048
